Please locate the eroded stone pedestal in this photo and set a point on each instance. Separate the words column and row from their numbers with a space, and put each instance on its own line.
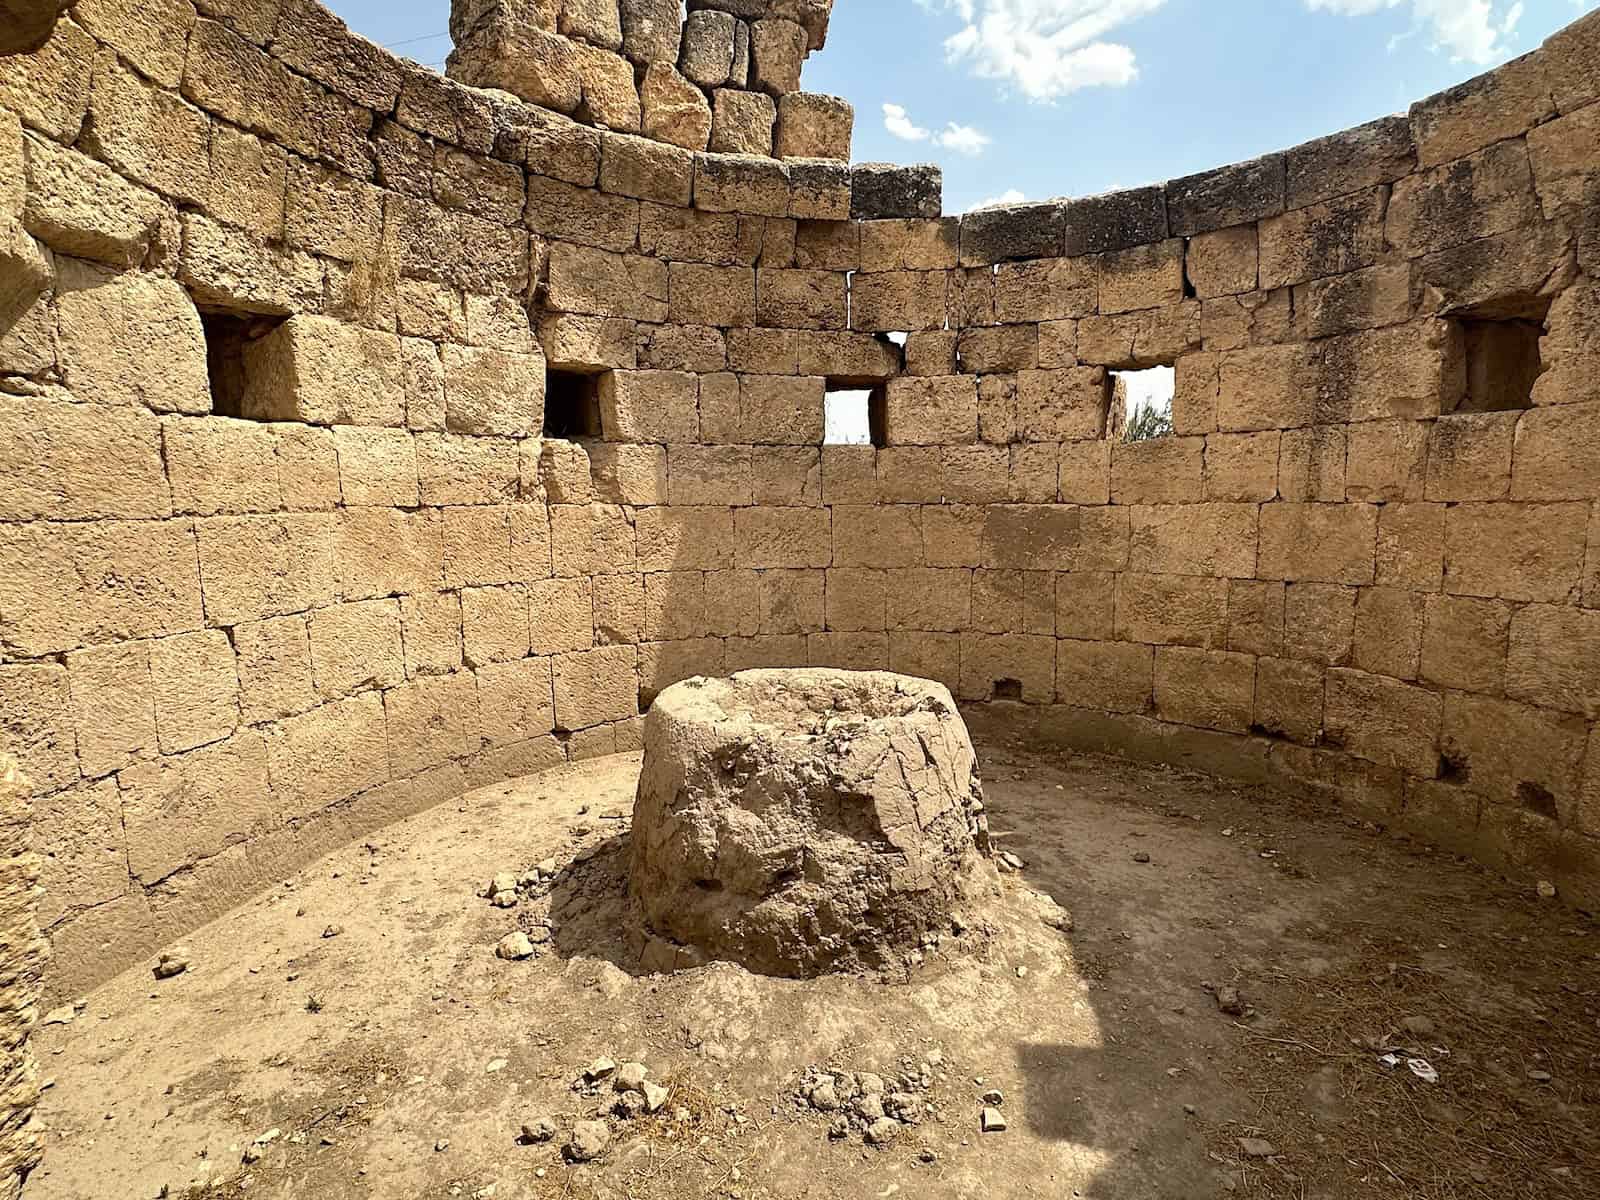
column 804, row 821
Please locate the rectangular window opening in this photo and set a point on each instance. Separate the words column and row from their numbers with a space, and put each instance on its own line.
column 855, row 413
column 1008, row 689
column 227, row 334
column 1502, row 360
column 571, row 404
column 1139, row 404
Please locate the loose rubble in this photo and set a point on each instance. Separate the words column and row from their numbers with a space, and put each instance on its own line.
column 876, row 1107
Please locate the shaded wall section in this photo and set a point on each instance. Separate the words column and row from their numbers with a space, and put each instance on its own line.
column 23, row 952
column 371, row 437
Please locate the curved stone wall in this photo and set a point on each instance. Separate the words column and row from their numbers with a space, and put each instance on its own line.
column 285, row 552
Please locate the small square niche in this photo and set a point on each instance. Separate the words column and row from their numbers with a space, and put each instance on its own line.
column 1502, row 358
column 571, row 404
column 854, row 415
column 227, row 335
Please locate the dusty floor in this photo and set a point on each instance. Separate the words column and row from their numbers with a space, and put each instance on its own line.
column 1122, row 1076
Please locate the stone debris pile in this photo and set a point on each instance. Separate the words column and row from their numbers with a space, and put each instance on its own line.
column 877, row 1108
column 725, row 77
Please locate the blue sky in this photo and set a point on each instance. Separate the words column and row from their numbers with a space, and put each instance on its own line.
column 1042, row 98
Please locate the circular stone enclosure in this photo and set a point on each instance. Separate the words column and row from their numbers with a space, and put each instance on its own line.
column 805, row 821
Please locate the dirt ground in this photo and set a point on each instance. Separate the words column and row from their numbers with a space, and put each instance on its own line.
column 400, row 1057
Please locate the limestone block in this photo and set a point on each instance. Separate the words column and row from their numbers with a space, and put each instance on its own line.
column 1331, row 543
column 884, row 190
column 1213, row 689
column 707, row 55
column 1115, row 221
column 1193, row 539
column 999, row 348
column 196, row 689
column 1570, row 63
column 1513, row 754
column 802, row 299
column 1381, row 151
column 323, row 372
column 150, row 135
column 1166, row 470
column 1266, row 387
column 1386, row 461
column 515, row 701
column 1555, row 453
column 25, row 272
column 631, row 474
column 568, row 213
column 786, row 474
column 1464, row 643
column 494, row 624
column 63, row 461
column 690, row 235
column 1020, row 231
column 36, row 723
column 685, row 538
column 1242, row 467
column 1062, row 406
column 1027, row 601
column 376, row 466
column 710, row 475
column 1364, row 299
column 741, row 183
column 65, row 586
column 697, row 348
column 741, row 72
column 674, row 110
column 588, row 342
column 1057, row 289
column 1388, row 632
column 1499, row 104
column 609, row 98
column 493, row 391
column 473, row 183
column 1224, row 262
column 1085, row 472
column 131, row 338
column 477, row 545
column 49, row 88
column 781, row 410
column 594, row 686
column 113, row 706
column 778, row 50
column 593, row 539
column 273, row 661
column 828, row 245
column 431, row 721
column 264, row 566
column 910, row 245
column 1562, row 154
column 1384, row 721
column 597, row 283
column 85, row 857
column 935, row 599
column 548, row 144
column 1469, row 456
column 1255, row 617
column 1551, row 657
column 537, row 65
column 1142, row 277
column 1231, row 195
column 1289, row 699
column 649, row 406
column 1311, row 463
column 741, row 122
column 931, row 411
column 562, row 615
column 707, row 295
column 647, row 170
column 597, row 22
column 1569, row 347
column 1470, row 198
column 1319, row 622
column 1515, row 551
column 651, row 32
column 182, row 809
column 811, row 125
column 767, row 537
column 468, row 470
column 1411, row 546
column 231, row 269
column 903, row 301
column 329, row 753
column 77, row 206
column 1323, row 239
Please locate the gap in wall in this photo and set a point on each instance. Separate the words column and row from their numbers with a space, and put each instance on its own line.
column 855, row 414
column 227, row 334
column 1139, row 403
column 1502, row 359
column 571, row 404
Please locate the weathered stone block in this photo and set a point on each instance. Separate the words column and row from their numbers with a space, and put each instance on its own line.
column 1384, row 721
column 1464, row 643
column 1515, row 551
column 1141, row 277
column 596, row 686
column 778, row 50
column 1289, row 698
column 1513, row 754
column 883, row 190
column 901, row 301
column 673, row 109
column 356, row 647
column 1499, row 104
column 113, row 706
column 609, row 98
column 1319, row 622
column 931, row 411
column 1232, row 195
column 265, row 566
column 1166, row 470
column 597, row 283
column 196, row 689
column 651, row 31
column 1388, row 632
column 1552, row 657
column 182, row 809
column 707, row 48
column 1471, row 198
column 1469, row 456
column 649, row 406
column 811, row 125
column 79, row 207
column 1379, row 152
column 1242, row 466
column 1048, row 290
column 594, row 539
column 1193, row 539
column 1062, row 406
column 1172, row 610
column 1022, row 231
column 741, row 183
column 1115, row 221
column 1386, row 461
column 1213, row 689
column 1331, row 543
column 64, row 461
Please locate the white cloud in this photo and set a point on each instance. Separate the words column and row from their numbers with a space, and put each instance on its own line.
column 1046, row 48
column 1475, row 30
column 901, row 126
column 1001, row 201
column 963, row 139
